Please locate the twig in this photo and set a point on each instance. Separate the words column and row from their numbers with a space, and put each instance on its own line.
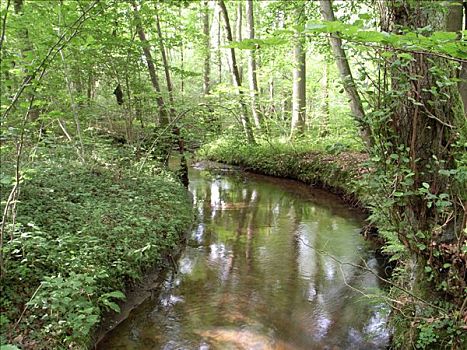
column 12, row 196
column 366, row 268
column 26, row 306
column 373, row 46
column 64, row 130
column 2, row 38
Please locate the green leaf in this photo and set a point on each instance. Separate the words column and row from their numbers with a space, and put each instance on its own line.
column 406, row 56
column 116, row 294
column 113, row 306
column 364, row 16
column 443, row 36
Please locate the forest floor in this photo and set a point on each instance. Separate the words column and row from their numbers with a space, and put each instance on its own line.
column 85, row 233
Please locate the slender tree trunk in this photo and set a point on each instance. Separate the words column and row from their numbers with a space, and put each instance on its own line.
column 165, row 62
column 163, row 117
column 182, row 60
column 74, row 107
column 325, row 99
column 207, row 47
column 346, row 74
column 239, row 35
column 252, row 78
column 299, row 88
column 219, row 54
column 236, row 76
column 26, row 46
column 272, row 108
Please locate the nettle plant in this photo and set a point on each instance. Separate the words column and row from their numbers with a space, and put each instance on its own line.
column 68, row 308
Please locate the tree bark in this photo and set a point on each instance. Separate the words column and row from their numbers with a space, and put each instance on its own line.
column 163, row 117
column 299, row 88
column 236, row 76
column 346, row 74
column 252, row 78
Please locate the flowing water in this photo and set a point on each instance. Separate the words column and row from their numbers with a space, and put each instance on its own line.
column 271, row 264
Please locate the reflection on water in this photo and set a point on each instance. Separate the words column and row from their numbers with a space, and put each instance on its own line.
column 272, row 264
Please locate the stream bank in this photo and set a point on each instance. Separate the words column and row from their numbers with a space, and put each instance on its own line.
column 340, row 173
column 85, row 233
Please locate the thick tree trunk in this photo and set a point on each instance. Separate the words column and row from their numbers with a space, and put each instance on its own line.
column 299, row 88
column 252, row 79
column 346, row 74
column 236, row 76
column 207, row 47
column 163, row 117
column 426, row 121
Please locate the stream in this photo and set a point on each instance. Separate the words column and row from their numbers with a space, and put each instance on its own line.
column 270, row 264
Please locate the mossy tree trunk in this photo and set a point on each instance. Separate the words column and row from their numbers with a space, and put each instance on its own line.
column 421, row 140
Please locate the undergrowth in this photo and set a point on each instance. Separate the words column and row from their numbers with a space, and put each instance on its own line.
column 83, row 232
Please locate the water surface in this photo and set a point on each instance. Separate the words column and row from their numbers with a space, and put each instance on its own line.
column 271, row 264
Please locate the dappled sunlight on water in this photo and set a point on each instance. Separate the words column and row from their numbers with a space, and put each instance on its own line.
column 272, row 264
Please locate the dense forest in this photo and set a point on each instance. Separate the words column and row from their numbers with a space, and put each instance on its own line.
column 366, row 98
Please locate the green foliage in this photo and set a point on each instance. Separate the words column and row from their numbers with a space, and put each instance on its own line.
column 82, row 233
column 437, row 42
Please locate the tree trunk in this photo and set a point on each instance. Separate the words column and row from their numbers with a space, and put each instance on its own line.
column 236, row 76
column 239, row 36
column 253, row 81
column 207, row 47
column 272, row 108
column 346, row 74
column 325, row 100
column 299, row 88
column 165, row 62
column 425, row 123
column 219, row 54
column 26, row 47
column 454, row 24
column 163, row 117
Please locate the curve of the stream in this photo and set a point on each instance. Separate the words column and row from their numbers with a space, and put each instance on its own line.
column 271, row 264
